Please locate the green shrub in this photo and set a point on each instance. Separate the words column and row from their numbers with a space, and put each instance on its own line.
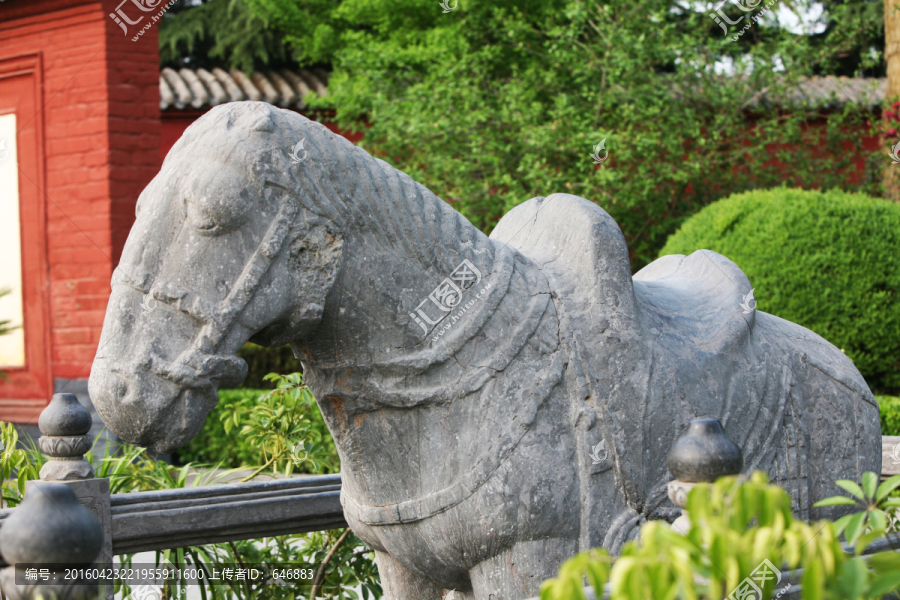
column 736, row 525
column 215, row 445
column 889, row 407
column 828, row 261
column 261, row 361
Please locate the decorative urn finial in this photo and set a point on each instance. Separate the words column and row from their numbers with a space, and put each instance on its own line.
column 65, row 424
column 700, row 456
column 704, row 453
column 49, row 527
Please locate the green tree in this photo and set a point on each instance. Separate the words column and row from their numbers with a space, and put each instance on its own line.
column 208, row 33
column 496, row 102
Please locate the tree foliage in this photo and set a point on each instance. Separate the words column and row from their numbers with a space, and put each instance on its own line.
column 206, row 33
column 496, row 102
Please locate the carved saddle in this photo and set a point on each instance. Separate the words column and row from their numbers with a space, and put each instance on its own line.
column 681, row 339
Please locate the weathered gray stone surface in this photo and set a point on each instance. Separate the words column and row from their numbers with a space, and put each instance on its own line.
column 498, row 403
column 65, row 424
column 49, row 527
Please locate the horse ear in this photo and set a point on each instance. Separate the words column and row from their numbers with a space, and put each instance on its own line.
column 254, row 116
column 263, row 123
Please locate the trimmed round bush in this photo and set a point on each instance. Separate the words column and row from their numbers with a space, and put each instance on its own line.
column 829, row 261
column 889, row 408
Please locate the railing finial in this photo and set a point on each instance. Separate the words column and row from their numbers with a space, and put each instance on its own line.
column 700, row 456
column 50, row 526
column 65, row 424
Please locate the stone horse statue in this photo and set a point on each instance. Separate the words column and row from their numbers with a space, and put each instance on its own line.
column 499, row 403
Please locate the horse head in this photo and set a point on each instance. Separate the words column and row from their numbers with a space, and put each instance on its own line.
column 222, row 251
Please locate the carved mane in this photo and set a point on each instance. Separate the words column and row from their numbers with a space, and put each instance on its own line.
column 337, row 181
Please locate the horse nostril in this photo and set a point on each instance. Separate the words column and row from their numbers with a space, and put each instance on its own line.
column 119, row 387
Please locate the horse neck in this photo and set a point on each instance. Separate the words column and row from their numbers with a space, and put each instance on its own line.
column 400, row 242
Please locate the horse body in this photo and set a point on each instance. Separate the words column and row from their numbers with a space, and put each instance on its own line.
column 498, row 404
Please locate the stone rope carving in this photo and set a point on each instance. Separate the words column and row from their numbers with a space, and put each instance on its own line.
column 498, row 403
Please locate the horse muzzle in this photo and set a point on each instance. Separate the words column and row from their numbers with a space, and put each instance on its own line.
column 160, row 405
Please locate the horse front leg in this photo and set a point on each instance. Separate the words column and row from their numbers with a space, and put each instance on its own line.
column 398, row 583
column 519, row 571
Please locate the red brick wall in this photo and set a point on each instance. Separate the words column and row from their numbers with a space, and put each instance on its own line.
column 101, row 123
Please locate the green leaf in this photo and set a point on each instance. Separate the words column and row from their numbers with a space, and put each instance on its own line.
column 883, row 562
column 836, row 501
column 854, row 527
column 841, row 524
column 882, row 584
column 878, row 520
column 852, row 578
column 869, row 481
column 851, row 488
column 888, row 486
column 866, row 539
column 813, row 581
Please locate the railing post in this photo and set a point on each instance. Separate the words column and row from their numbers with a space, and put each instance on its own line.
column 700, row 456
column 49, row 527
column 64, row 426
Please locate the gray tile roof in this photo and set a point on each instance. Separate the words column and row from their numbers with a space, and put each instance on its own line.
column 836, row 91
column 199, row 88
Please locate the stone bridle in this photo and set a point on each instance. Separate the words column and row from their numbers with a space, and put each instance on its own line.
column 200, row 362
